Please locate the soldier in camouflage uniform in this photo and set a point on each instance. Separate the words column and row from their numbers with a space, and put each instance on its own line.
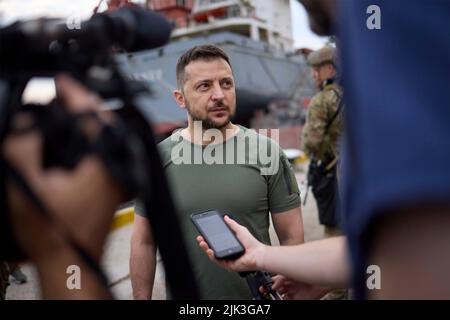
column 321, row 134
column 320, row 142
column 316, row 143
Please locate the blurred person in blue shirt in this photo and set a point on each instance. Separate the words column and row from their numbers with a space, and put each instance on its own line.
column 395, row 157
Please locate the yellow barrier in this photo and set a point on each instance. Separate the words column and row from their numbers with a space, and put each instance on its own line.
column 122, row 218
column 302, row 159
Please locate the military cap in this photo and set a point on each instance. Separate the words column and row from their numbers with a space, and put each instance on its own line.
column 327, row 54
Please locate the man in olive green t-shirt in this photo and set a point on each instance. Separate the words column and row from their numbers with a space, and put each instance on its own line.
column 214, row 164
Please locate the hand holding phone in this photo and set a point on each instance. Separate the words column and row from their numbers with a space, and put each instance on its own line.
column 217, row 234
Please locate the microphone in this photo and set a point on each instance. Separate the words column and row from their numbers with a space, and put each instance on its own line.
column 149, row 29
column 132, row 29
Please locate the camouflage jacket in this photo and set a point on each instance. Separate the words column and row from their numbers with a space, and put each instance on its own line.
column 323, row 106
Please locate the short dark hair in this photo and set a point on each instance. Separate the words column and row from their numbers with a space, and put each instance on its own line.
column 203, row 52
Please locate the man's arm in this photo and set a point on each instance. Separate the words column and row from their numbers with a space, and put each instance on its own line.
column 142, row 259
column 79, row 203
column 323, row 262
column 289, row 226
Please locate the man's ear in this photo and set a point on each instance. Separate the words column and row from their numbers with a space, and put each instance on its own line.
column 331, row 69
column 179, row 98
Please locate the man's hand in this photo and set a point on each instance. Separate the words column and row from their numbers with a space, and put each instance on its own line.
column 295, row 290
column 254, row 250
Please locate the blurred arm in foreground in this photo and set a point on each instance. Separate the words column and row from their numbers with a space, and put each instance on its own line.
column 322, row 263
column 396, row 151
column 82, row 202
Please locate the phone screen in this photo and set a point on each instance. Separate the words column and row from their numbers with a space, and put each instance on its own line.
column 218, row 235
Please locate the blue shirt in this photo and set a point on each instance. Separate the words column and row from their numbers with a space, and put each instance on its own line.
column 396, row 149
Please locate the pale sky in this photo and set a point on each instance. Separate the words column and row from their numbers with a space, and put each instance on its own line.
column 303, row 36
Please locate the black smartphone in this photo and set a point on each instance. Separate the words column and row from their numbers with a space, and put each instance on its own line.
column 217, row 234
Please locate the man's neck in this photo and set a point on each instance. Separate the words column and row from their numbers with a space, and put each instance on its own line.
column 197, row 135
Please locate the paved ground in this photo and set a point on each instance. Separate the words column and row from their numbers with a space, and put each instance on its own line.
column 116, row 258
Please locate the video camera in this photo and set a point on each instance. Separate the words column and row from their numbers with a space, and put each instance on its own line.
column 46, row 47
